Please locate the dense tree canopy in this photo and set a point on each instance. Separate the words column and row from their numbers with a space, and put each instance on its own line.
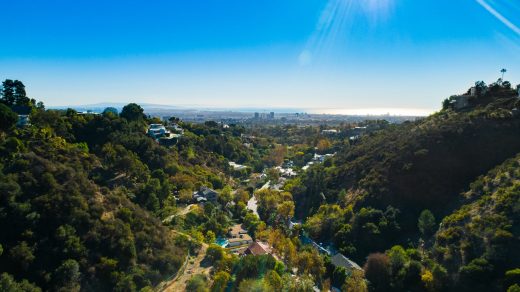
column 7, row 117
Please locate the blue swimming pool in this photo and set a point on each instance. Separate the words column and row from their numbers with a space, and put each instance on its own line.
column 222, row 241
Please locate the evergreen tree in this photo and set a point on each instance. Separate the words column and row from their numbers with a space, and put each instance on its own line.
column 20, row 96
column 7, row 92
column 426, row 222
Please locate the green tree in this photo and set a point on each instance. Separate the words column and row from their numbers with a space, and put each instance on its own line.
column 512, row 276
column 8, row 283
column 132, row 112
column 355, row 282
column 274, row 280
column 398, row 258
column 110, row 111
column 210, row 236
column 67, row 276
column 426, row 222
column 22, row 254
column 214, row 253
column 220, row 281
column 8, row 118
column 445, row 104
column 225, row 195
column 20, row 96
column 197, row 283
column 7, row 92
column 286, row 210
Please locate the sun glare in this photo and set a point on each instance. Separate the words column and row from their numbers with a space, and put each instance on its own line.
column 335, row 23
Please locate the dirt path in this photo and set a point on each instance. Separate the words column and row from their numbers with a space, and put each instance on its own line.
column 192, row 267
column 182, row 212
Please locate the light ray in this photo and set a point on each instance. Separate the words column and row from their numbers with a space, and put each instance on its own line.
column 499, row 16
column 335, row 23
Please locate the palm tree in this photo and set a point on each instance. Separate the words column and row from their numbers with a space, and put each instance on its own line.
column 503, row 72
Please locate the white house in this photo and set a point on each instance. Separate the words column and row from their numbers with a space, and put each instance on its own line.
column 157, row 130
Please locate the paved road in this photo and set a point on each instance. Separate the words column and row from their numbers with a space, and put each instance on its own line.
column 252, row 205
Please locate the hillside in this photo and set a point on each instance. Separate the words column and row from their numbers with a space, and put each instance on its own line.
column 61, row 231
column 390, row 176
column 479, row 242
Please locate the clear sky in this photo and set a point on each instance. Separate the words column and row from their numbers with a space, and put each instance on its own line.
column 325, row 54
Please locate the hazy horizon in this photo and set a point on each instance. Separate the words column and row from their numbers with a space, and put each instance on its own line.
column 266, row 109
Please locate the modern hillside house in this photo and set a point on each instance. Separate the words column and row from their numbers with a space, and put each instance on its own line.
column 238, row 236
column 207, row 193
column 23, row 113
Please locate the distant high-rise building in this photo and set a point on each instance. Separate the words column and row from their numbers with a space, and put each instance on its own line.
column 271, row 115
column 257, row 115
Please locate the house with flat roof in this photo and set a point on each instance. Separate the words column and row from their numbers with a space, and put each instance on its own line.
column 459, row 101
column 330, row 132
column 238, row 236
column 236, row 230
column 23, row 113
column 157, row 130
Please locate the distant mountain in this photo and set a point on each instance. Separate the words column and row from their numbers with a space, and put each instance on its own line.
column 119, row 106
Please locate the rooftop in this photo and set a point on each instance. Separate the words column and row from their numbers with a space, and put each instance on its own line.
column 340, row 260
column 259, row 248
column 240, row 238
column 236, row 230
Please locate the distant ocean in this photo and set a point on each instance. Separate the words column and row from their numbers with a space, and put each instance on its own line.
column 374, row 111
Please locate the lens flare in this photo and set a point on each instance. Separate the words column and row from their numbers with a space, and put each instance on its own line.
column 499, row 16
column 335, row 23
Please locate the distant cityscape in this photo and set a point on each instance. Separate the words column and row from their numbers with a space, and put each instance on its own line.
column 248, row 117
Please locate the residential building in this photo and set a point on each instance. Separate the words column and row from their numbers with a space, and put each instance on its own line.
column 473, row 91
column 236, row 230
column 238, row 236
column 157, row 130
column 207, row 194
column 459, row 101
column 236, row 166
column 339, row 260
column 23, row 113
column 258, row 248
column 330, row 132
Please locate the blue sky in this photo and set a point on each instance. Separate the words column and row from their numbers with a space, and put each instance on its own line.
column 316, row 54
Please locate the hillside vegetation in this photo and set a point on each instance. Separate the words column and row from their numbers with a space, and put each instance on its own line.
column 61, row 231
column 478, row 243
column 370, row 196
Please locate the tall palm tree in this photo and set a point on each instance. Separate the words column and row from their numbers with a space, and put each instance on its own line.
column 503, row 72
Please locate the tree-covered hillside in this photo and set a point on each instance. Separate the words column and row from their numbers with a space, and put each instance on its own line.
column 82, row 195
column 61, row 231
column 478, row 243
column 387, row 179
